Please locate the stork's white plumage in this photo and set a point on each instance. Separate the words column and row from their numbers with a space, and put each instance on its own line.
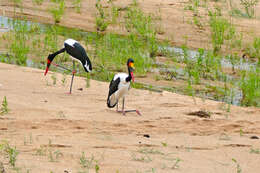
column 122, row 90
column 119, row 86
column 70, row 42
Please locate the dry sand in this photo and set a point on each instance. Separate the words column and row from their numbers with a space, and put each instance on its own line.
column 43, row 119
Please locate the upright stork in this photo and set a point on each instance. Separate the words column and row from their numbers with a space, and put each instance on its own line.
column 119, row 86
column 77, row 52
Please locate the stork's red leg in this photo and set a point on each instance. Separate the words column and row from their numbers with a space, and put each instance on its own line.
column 123, row 107
column 73, row 73
column 125, row 111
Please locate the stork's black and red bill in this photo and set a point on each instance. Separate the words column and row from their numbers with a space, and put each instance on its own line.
column 51, row 57
column 47, row 68
column 132, row 75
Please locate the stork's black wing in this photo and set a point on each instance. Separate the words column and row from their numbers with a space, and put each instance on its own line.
column 113, row 87
column 78, row 52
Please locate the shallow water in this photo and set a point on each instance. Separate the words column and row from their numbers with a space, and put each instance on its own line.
column 6, row 25
column 225, row 63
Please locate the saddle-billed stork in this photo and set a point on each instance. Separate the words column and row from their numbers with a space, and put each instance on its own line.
column 119, row 86
column 77, row 52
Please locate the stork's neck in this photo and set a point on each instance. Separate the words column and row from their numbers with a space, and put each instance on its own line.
column 53, row 55
column 129, row 77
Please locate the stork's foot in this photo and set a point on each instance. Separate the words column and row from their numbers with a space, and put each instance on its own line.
column 138, row 112
column 74, row 71
column 124, row 112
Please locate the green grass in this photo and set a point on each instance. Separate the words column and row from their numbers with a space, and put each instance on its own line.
column 238, row 13
column 18, row 48
column 249, row 6
column 255, row 151
column 238, row 167
column 176, row 164
column 4, row 108
column 10, row 152
column 101, row 18
column 58, row 10
column 87, row 79
column 54, row 79
column 252, row 50
column 250, row 86
column 42, row 151
column 38, row 2
column 54, row 155
column 150, row 151
column 77, row 5
column 221, row 30
column 143, row 158
column 141, row 25
column 63, row 80
column 89, row 163
column 114, row 51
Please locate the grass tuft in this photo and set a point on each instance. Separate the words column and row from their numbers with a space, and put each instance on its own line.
column 4, row 108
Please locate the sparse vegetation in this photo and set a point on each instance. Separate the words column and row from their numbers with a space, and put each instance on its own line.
column 38, row 2
column 221, row 30
column 18, row 48
column 249, row 6
column 143, row 158
column 164, row 144
column 54, row 155
column 41, row 151
column 224, row 137
column 238, row 168
column 54, row 79
column 255, row 151
column 150, row 151
column 252, row 50
column 89, row 163
column 4, row 108
column 77, row 4
column 87, row 81
column 58, row 10
column 63, row 80
column 250, row 86
column 176, row 164
column 11, row 152
column 101, row 19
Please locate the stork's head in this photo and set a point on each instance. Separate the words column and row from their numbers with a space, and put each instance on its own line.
column 49, row 60
column 130, row 65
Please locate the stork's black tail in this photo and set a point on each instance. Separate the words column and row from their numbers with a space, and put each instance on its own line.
column 111, row 102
